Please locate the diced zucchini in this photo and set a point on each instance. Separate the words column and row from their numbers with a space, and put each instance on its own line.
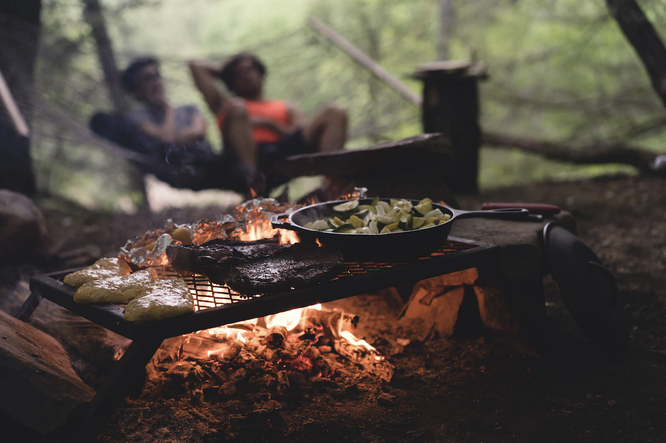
column 362, row 214
column 405, row 222
column 356, row 222
column 418, row 222
column 404, row 205
column 370, row 208
column 380, row 217
column 344, row 228
column 424, row 207
column 398, row 215
column 346, row 206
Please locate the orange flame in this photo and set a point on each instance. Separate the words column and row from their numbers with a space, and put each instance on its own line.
column 358, row 342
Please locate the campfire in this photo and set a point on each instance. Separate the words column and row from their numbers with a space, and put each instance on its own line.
column 241, row 349
column 278, row 356
column 281, row 352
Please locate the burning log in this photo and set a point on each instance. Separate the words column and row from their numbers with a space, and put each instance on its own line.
column 332, row 323
column 277, row 355
column 275, row 337
column 361, row 353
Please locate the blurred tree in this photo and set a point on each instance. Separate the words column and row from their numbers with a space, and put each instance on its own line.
column 19, row 37
column 446, row 15
column 93, row 15
column 645, row 40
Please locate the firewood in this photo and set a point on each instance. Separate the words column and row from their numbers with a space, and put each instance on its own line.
column 331, row 322
column 369, row 360
column 276, row 337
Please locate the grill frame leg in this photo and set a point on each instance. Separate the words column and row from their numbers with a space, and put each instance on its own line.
column 115, row 389
column 28, row 307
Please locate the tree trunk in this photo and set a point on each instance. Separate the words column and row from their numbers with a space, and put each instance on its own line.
column 19, row 38
column 92, row 14
column 445, row 23
column 645, row 40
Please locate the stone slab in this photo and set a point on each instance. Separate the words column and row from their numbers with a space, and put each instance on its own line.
column 522, row 255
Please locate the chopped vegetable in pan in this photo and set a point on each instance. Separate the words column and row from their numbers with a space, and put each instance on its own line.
column 380, row 217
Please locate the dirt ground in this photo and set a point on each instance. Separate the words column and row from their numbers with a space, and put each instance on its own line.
column 464, row 389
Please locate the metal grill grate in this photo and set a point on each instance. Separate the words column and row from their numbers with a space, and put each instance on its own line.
column 209, row 295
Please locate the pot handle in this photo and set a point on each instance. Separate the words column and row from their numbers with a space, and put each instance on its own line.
column 505, row 213
column 277, row 224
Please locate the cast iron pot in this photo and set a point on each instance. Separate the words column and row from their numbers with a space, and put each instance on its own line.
column 391, row 247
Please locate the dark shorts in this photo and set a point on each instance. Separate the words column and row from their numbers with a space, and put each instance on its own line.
column 291, row 144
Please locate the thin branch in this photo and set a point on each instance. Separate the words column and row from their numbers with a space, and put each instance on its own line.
column 587, row 155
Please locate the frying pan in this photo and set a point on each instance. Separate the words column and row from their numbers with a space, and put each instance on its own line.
column 390, row 247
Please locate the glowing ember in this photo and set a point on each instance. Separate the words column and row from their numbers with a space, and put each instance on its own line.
column 357, row 342
column 258, row 226
column 295, row 340
column 251, row 222
column 288, row 319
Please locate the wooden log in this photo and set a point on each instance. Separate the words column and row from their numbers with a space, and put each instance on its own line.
column 331, row 323
column 38, row 387
column 451, row 107
column 12, row 109
column 275, row 337
column 586, row 155
column 414, row 151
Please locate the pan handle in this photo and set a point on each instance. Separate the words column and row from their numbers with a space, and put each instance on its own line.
column 504, row 213
column 277, row 224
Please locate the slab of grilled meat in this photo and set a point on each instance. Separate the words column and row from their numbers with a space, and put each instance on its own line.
column 258, row 267
column 189, row 259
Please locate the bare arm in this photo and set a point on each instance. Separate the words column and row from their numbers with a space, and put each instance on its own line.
column 204, row 73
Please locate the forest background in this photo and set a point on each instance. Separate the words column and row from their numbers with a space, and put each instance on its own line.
column 559, row 71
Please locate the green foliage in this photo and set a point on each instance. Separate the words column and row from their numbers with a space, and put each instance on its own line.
column 559, row 71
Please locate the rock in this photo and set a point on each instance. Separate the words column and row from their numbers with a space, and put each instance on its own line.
column 22, row 228
column 38, row 387
column 439, row 312
column 522, row 256
column 495, row 310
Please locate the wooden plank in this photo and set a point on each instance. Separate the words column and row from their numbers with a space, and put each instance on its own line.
column 404, row 153
column 365, row 61
column 12, row 109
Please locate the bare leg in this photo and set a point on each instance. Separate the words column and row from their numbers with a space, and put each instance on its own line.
column 237, row 133
column 327, row 131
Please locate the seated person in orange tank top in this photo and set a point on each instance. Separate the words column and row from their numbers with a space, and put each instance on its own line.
column 260, row 131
